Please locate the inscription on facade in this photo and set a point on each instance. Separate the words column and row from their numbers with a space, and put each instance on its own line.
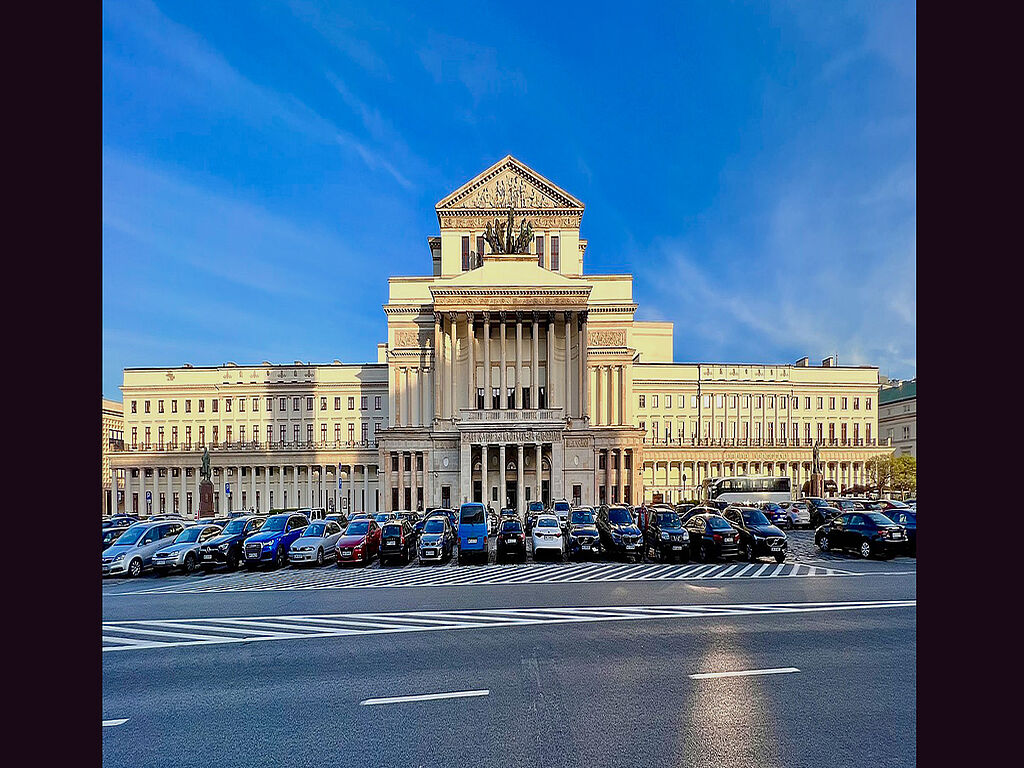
column 524, row 436
column 609, row 337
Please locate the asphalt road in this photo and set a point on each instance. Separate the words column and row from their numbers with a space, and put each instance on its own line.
column 582, row 690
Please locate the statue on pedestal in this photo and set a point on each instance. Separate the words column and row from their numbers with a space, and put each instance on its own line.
column 817, row 483
column 205, row 486
column 503, row 238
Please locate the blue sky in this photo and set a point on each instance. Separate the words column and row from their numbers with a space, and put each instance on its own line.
column 268, row 165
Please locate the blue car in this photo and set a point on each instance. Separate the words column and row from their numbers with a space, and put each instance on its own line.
column 472, row 530
column 275, row 536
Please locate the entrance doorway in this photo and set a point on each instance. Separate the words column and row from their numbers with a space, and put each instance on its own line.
column 545, row 493
column 511, row 493
column 477, row 490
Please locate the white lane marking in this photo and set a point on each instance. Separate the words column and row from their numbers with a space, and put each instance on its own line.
column 796, row 568
column 120, row 721
column 424, row 697
column 742, row 571
column 760, row 570
column 339, row 625
column 744, row 673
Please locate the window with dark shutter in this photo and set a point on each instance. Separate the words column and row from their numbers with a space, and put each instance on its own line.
column 465, row 253
column 554, row 253
column 540, row 250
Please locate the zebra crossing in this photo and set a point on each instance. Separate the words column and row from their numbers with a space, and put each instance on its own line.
column 147, row 634
column 491, row 575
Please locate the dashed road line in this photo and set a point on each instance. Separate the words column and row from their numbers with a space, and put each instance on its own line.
column 744, row 673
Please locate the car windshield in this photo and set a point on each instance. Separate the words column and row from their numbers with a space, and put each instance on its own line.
column 536, row 506
column 358, row 528
column 189, row 535
column 669, row 520
column 771, row 506
column 878, row 518
column 132, row 535
column 383, row 516
column 754, row 517
column 274, row 524
column 235, row 526
column 511, row 526
column 315, row 530
column 434, row 525
column 471, row 514
column 583, row 518
column 561, row 506
column 547, row 522
column 619, row 515
column 391, row 530
column 719, row 523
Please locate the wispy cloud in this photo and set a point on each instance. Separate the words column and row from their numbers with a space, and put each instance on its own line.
column 453, row 60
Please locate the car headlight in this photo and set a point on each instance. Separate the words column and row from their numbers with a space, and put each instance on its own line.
column 664, row 536
column 119, row 557
column 268, row 544
column 223, row 547
column 616, row 537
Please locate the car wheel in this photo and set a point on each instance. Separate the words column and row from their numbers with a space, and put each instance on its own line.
column 190, row 564
column 135, row 568
column 748, row 552
column 865, row 549
column 781, row 557
column 822, row 542
column 282, row 559
column 702, row 553
column 320, row 557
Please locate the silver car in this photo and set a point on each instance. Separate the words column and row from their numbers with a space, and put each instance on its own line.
column 133, row 551
column 319, row 538
column 184, row 552
column 798, row 513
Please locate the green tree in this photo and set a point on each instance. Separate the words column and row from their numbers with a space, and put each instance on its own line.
column 879, row 473
column 904, row 474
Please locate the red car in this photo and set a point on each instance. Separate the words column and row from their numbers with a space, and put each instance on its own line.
column 359, row 543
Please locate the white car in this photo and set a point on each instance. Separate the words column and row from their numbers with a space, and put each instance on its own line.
column 798, row 514
column 184, row 552
column 560, row 510
column 547, row 535
column 316, row 543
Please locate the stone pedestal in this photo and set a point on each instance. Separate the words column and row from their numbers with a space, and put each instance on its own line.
column 206, row 499
column 817, row 485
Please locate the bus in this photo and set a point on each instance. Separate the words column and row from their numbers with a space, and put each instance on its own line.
column 748, row 490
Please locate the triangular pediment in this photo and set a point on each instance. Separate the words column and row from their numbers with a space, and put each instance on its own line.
column 509, row 181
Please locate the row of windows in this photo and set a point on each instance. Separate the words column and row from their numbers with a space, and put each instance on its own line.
column 282, row 404
column 743, row 431
column 471, row 259
column 254, row 435
column 759, row 401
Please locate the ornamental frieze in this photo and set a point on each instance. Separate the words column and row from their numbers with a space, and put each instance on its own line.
column 407, row 338
column 613, row 337
column 479, row 220
column 516, row 437
column 578, row 442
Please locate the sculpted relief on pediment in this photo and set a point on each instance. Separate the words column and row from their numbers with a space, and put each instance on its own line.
column 505, row 190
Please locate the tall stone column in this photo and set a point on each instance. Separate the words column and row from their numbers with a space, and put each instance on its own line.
column 384, row 482
column 393, row 397
column 401, row 480
column 519, row 366
column 438, row 367
column 621, row 406
column 471, row 338
column 487, row 361
column 608, row 476
column 406, row 406
column 280, row 490
column 454, row 404
column 503, row 379
column 539, row 475
column 520, row 483
column 621, row 454
column 611, row 395
column 414, row 398
column 309, row 486
column 465, row 474
column 366, row 488
column 558, row 468
column 598, row 419
column 485, row 495
column 534, row 381
column 584, row 373
column 550, row 363
column 501, row 461
column 415, row 500
column 569, row 411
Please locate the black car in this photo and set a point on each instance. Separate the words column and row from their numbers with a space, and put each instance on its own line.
column 412, row 517
column 397, row 541
column 533, row 510
column 619, row 534
column 866, row 533
column 665, row 538
column 583, row 538
column 120, row 521
column 758, row 536
column 712, row 538
column 511, row 540
column 697, row 510
column 507, row 512
column 821, row 512
column 908, row 519
column 226, row 547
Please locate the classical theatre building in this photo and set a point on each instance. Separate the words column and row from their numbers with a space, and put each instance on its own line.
column 504, row 377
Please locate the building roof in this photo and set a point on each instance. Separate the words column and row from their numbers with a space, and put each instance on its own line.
column 905, row 391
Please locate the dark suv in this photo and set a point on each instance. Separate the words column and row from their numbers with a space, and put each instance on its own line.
column 664, row 537
column 712, row 538
column 584, row 540
column 397, row 540
column 619, row 534
column 226, row 547
column 757, row 534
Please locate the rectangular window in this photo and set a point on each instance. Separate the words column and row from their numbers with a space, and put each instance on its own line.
column 654, row 430
column 480, row 246
column 309, row 434
column 227, row 435
column 668, row 401
column 654, row 401
column 135, row 406
column 831, row 432
column 295, row 433
column 782, row 431
column 760, row 401
column 270, row 404
column 856, row 403
column 807, row 403
column 668, row 431
column 719, row 401
column 337, row 433
column 783, row 402
column 135, row 437
column 771, row 401
column 174, row 406
column 376, row 403
column 554, row 253
column 284, row 434
column 147, row 406
column 270, row 433
column 215, row 437
column 693, row 401
column 867, row 430
column 364, row 427
column 843, row 434
column 256, row 434
column 351, row 403
column 351, row 433
column 867, row 404
column 309, row 403
column 706, row 401
column 362, row 403
column 465, row 253
column 643, row 401
column 831, row 403
column 821, row 431
column 807, row 431
column 323, row 434
column 845, row 403
column 241, row 405
column 227, row 405
column 188, row 406
column 856, row 433
column 202, row 436
column 214, row 405
column 295, row 403
column 796, row 403
column 255, row 404
column 282, row 404
column 174, row 437
column 540, row 250
column 323, row 403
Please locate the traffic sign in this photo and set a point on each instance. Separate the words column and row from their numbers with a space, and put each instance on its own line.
column 227, row 488
column 149, row 495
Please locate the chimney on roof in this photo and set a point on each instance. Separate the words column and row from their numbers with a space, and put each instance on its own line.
column 828, row 362
column 803, row 362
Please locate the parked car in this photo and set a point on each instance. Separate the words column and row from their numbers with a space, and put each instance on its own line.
column 533, row 510
column 110, row 535
column 619, row 534
column 316, row 543
column 317, row 513
column 397, row 541
column 270, row 544
column 683, row 507
column 582, row 538
column 868, row 505
column 226, row 547
column 773, row 511
column 437, row 540
column 798, row 514
column 712, row 538
column 561, row 510
column 665, row 538
column 339, row 518
column 908, row 519
column 699, row 509
column 183, row 552
column 547, row 536
column 758, row 537
column 412, row 517
column 360, row 542
column 821, row 515
column 383, row 517
column 472, row 530
column 890, row 504
column 120, row 521
column 133, row 551
column 912, row 502
column 507, row 512
column 511, row 540
column 866, row 533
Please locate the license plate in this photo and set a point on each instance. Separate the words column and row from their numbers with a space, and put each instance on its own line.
column 392, row 542
column 346, row 554
column 677, row 546
column 511, row 541
column 471, row 541
column 430, row 552
column 776, row 549
column 207, row 557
